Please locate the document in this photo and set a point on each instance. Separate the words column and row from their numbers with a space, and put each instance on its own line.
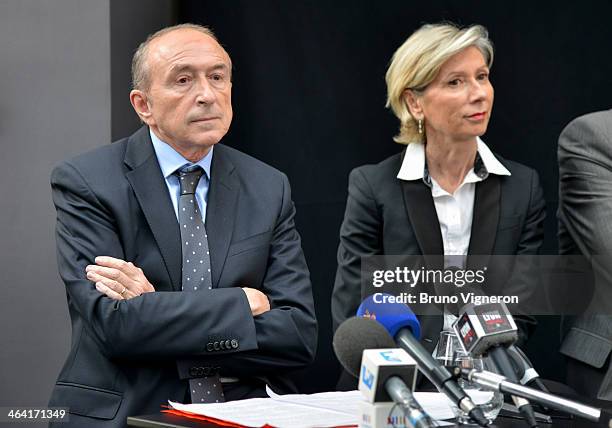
column 344, row 402
column 257, row 412
column 325, row 409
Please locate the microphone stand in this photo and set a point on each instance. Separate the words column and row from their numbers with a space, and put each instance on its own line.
column 495, row 382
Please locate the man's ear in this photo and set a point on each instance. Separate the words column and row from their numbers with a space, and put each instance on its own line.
column 141, row 105
column 413, row 101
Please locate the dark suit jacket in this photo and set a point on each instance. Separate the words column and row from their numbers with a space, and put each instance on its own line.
column 386, row 215
column 114, row 201
column 585, row 227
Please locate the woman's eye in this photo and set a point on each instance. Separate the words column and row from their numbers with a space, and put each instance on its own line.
column 454, row 82
column 483, row 76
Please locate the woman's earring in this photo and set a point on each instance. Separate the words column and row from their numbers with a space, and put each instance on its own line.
column 420, row 122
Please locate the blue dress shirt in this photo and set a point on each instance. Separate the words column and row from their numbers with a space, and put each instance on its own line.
column 169, row 161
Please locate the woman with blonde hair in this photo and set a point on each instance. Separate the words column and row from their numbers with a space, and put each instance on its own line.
column 446, row 193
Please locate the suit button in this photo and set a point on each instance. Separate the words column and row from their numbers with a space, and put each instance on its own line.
column 234, row 343
column 228, row 344
column 216, row 346
column 209, row 347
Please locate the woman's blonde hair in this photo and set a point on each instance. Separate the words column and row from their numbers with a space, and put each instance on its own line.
column 417, row 62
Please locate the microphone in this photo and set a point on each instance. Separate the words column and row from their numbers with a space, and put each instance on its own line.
column 525, row 371
column 402, row 395
column 496, row 382
column 489, row 329
column 383, row 372
column 401, row 323
column 354, row 336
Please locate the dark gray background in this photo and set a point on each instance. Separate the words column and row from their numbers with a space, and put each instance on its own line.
column 55, row 86
column 308, row 98
column 55, row 102
column 309, row 95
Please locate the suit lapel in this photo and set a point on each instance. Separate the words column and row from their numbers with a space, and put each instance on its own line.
column 423, row 217
column 486, row 217
column 152, row 194
column 220, row 210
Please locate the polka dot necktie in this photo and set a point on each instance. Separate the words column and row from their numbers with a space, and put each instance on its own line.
column 196, row 268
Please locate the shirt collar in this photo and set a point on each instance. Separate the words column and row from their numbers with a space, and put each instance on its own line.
column 170, row 160
column 490, row 162
column 414, row 166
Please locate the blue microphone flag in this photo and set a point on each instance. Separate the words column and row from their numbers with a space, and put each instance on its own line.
column 392, row 316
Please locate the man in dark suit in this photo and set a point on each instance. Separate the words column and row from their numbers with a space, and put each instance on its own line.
column 585, row 227
column 184, row 272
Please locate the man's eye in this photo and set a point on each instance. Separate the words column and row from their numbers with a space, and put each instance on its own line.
column 182, row 80
column 217, row 77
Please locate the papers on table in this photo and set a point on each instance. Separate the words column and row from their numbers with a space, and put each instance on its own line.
column 346, row 402
column 435, row 405
column 257, row 412
column 326, row 409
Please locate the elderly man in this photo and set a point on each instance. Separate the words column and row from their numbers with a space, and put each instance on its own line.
column 585, row 203
column 184, row 272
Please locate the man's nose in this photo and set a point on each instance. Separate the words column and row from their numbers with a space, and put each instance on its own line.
column 205, row 94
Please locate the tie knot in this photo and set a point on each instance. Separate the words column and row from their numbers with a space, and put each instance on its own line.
column 189, row 177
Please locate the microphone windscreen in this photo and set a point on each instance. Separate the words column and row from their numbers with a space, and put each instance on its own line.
column 354, row 336
column 393, row 316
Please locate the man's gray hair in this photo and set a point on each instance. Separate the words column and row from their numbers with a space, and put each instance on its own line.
column 140, row 72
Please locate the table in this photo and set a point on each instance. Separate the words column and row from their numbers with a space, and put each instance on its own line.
column 172, row 421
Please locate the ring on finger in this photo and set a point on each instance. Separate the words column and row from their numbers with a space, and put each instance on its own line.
column 123, row 291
